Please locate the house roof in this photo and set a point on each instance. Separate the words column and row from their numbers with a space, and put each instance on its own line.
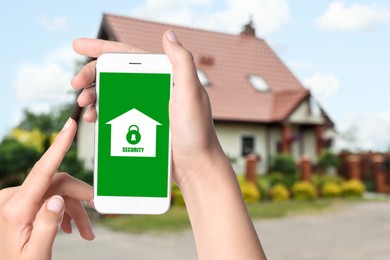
column 227, row 60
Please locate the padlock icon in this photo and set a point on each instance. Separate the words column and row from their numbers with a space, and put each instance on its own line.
column 133, row 136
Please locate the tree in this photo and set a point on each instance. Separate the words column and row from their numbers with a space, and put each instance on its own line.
column 16, row 160
column 47, row 123
column 328, row 159
column 32, row 138
column 75, row 167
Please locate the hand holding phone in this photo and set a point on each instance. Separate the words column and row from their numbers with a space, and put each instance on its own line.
column 200, row 168
column 132, row 133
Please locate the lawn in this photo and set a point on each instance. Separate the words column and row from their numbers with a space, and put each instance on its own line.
column 176, row 219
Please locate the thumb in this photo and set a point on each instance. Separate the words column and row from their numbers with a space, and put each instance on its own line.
column 45, row 228
column 183, row 66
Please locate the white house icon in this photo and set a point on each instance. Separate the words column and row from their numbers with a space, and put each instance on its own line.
column 140, row 142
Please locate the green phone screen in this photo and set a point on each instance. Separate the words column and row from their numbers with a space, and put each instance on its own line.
column 133, row 134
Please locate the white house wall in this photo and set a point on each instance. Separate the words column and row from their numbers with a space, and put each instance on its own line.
column 267, row 139
column 296, row 146
column 305, row 145
column 309, row 139
column 85, row 147
column 274, row 138
column 230, row 137
column 303, row 114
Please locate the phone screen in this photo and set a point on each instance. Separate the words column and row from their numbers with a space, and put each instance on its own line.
column 133, row 134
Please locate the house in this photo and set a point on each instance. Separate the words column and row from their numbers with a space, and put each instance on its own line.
column 133, row 134
column 259, row 106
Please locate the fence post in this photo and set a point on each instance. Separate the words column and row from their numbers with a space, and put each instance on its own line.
column 251, row 167
column 380, row 185
column 305, row 165
column 353, row 167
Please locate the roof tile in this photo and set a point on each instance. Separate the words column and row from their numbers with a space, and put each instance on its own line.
column 235, row 57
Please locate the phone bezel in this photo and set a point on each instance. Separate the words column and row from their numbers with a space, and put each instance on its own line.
column 131, row 63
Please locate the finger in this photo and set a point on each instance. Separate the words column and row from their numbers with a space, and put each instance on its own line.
column 85, row 77
column 76, row 211
column 90, row 115
column 7, row 193
column 45, row 228
column 70, row 188
column 66, row 224
column 40, row 177
column 87, row 97
column 67, row 186
column 96, row 47
column 183, row 66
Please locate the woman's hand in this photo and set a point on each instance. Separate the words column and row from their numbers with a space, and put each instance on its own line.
column 31, row 214
column 220, row 221
column 189, row 108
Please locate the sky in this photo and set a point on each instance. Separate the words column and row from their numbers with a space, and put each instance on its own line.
column 338, row 49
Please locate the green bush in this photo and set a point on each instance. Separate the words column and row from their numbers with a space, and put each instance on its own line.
column 328, row 159
column 279, row 193
column 241, row 178
column 352, row 188
column 10, row 181
column 319, row 180
column 279, row 178
column 304, row 190
column 264, row 185
column 177, row 196
column 16, row 159
column 274, row 178
column 283, row 163
column 331, row 190
column 250, row 192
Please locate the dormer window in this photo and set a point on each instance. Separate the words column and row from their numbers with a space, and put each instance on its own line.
column 258, row 83
column 204, row 80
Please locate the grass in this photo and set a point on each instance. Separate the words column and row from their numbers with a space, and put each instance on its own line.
column 268, row 210
column 176, row 219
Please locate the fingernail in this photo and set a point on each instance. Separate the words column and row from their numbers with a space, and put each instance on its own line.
column 92, row 233
column 91, row 204
column 78, row 98
column 56, row 204
column 172, row 36
column 67, row 124
column 82, row 93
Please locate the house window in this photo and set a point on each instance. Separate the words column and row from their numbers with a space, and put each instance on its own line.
column 248, row 145
column 278, row 147
column 258, row 83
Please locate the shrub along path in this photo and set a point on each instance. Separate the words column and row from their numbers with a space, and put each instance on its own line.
column 355, row 231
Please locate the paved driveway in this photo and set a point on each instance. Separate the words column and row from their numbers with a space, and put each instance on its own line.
column 359, row 231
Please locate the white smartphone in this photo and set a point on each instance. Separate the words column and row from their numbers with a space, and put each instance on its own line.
column 132, row 134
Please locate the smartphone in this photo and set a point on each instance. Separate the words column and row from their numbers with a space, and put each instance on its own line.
column 132, row 135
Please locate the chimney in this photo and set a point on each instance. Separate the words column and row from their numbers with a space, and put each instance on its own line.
column 206, row 60
column 248, row 29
